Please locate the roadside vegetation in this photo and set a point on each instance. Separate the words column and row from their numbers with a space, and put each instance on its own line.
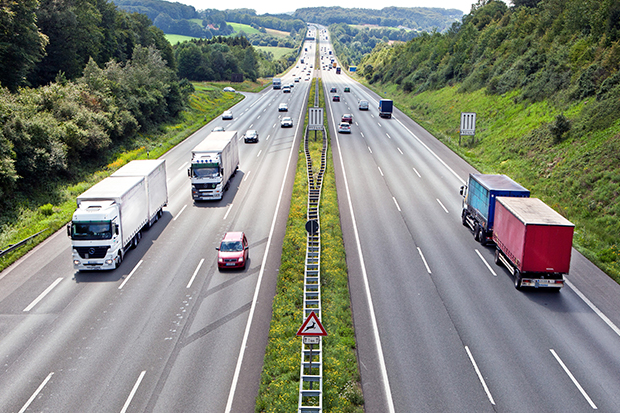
column 279, row 388
column 544, row 80
column 52, row 209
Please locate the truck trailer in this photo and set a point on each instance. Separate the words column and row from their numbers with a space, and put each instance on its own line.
column 385, row 108
column 277, row 82
column 214, row 162
column 533, row 241
column 479, row 197
column 154, row 171
column 112, row 214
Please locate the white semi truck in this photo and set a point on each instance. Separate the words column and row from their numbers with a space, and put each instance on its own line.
column 111, row 215
column 214, row 162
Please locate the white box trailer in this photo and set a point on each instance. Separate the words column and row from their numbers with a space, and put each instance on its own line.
column 154, row 171
column 214, row 162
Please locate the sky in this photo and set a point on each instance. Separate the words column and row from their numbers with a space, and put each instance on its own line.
column 278, row 6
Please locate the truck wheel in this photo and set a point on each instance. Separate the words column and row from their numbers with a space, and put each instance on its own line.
column 518, row 280
column 496, row 259
column 477, row 232
column 119, row 259
column 464, row 218
column 481, row 237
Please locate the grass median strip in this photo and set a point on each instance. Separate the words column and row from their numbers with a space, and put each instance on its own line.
column 279, row 388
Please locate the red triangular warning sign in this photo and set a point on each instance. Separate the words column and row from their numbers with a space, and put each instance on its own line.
column 312, row 327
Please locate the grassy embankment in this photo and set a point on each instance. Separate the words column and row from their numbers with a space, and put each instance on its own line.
column 205, row 104
column 513, row 138
column 279, row 389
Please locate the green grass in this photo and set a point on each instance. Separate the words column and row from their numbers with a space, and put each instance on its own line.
column 279, row 388
column 177, row 38
column 206, row 104
column 277, row 52
column 243, row 27
column 578, row 177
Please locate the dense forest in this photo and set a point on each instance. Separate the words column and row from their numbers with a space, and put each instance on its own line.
column 352, row 43
column 415, row 18
column 554, row 65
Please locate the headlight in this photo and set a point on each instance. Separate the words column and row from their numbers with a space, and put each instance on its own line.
column 76, row 262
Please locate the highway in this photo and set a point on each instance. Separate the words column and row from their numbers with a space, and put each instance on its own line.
column 439, row 326
column 166, row 331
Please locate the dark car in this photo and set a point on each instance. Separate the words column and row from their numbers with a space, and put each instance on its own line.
column 336, row 98
column 347, row 118
column 332, row 90
column 233, row 251
column 347, row 89
column 251, row 136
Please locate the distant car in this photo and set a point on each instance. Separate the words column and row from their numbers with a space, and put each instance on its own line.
column 297, row 79
column 344, row 127
column 332, row 90
column 286, row 89
column 286, row 122
column 251, row 136
column 228, row 89
column 336, row 98
column 347, row 118
column 282, row 107
column 227, row 115
column 233, row 251
column 218, row 129
column 292, row 85
column 307, row 78
column 363, row 105
column 347, row 89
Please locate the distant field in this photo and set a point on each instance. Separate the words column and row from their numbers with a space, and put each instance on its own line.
column 374, row 26
column 243, row 27
column 278, row 52
column 177, row 38
column 277, row 33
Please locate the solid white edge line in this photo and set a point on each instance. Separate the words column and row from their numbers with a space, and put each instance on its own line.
column 133, row 392
column 371, row 308
column 593, row 307
column 444, row 208
column 189, row 284
column 233, row 386
column 396, row 203
column 180, row 212
column 36, row 393
column 227, row 212
column 485, row 262
column 428, row 269
column 43, row 294
column 574, row 380
column 433, row 153
column 120, row 287
column 484, row 384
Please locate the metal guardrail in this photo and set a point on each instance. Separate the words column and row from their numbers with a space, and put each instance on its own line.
column 19, row 244
column 311, row 375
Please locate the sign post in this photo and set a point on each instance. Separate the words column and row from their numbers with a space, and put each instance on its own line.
column 468, row 125
column 311, row 331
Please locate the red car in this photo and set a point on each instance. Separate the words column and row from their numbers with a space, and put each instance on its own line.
column 347, row 118
column 233, row 251
column 336, row 98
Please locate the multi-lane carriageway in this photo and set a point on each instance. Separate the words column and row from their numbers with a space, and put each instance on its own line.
column 438, row 326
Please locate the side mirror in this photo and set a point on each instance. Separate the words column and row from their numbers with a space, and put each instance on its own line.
column 462, row 191
column 116, row 229
column 217, row 248
column 189, row 172
column 69, row 230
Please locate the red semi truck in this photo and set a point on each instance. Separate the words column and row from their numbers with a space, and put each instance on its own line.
column 533, row 241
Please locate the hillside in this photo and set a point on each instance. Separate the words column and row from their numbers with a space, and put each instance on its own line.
column 544, row 78
column 415, row 18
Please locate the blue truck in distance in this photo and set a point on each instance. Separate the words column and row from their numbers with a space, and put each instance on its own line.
column 479, row 202
column 385, row 108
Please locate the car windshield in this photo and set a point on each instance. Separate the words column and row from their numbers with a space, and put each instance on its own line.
column 91, row 230
column 231, row 246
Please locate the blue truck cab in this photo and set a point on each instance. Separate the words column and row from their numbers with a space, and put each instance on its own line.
column 479, row 202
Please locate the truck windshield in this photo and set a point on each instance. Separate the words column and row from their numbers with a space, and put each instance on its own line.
column 209, row 172
column 91, row 230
